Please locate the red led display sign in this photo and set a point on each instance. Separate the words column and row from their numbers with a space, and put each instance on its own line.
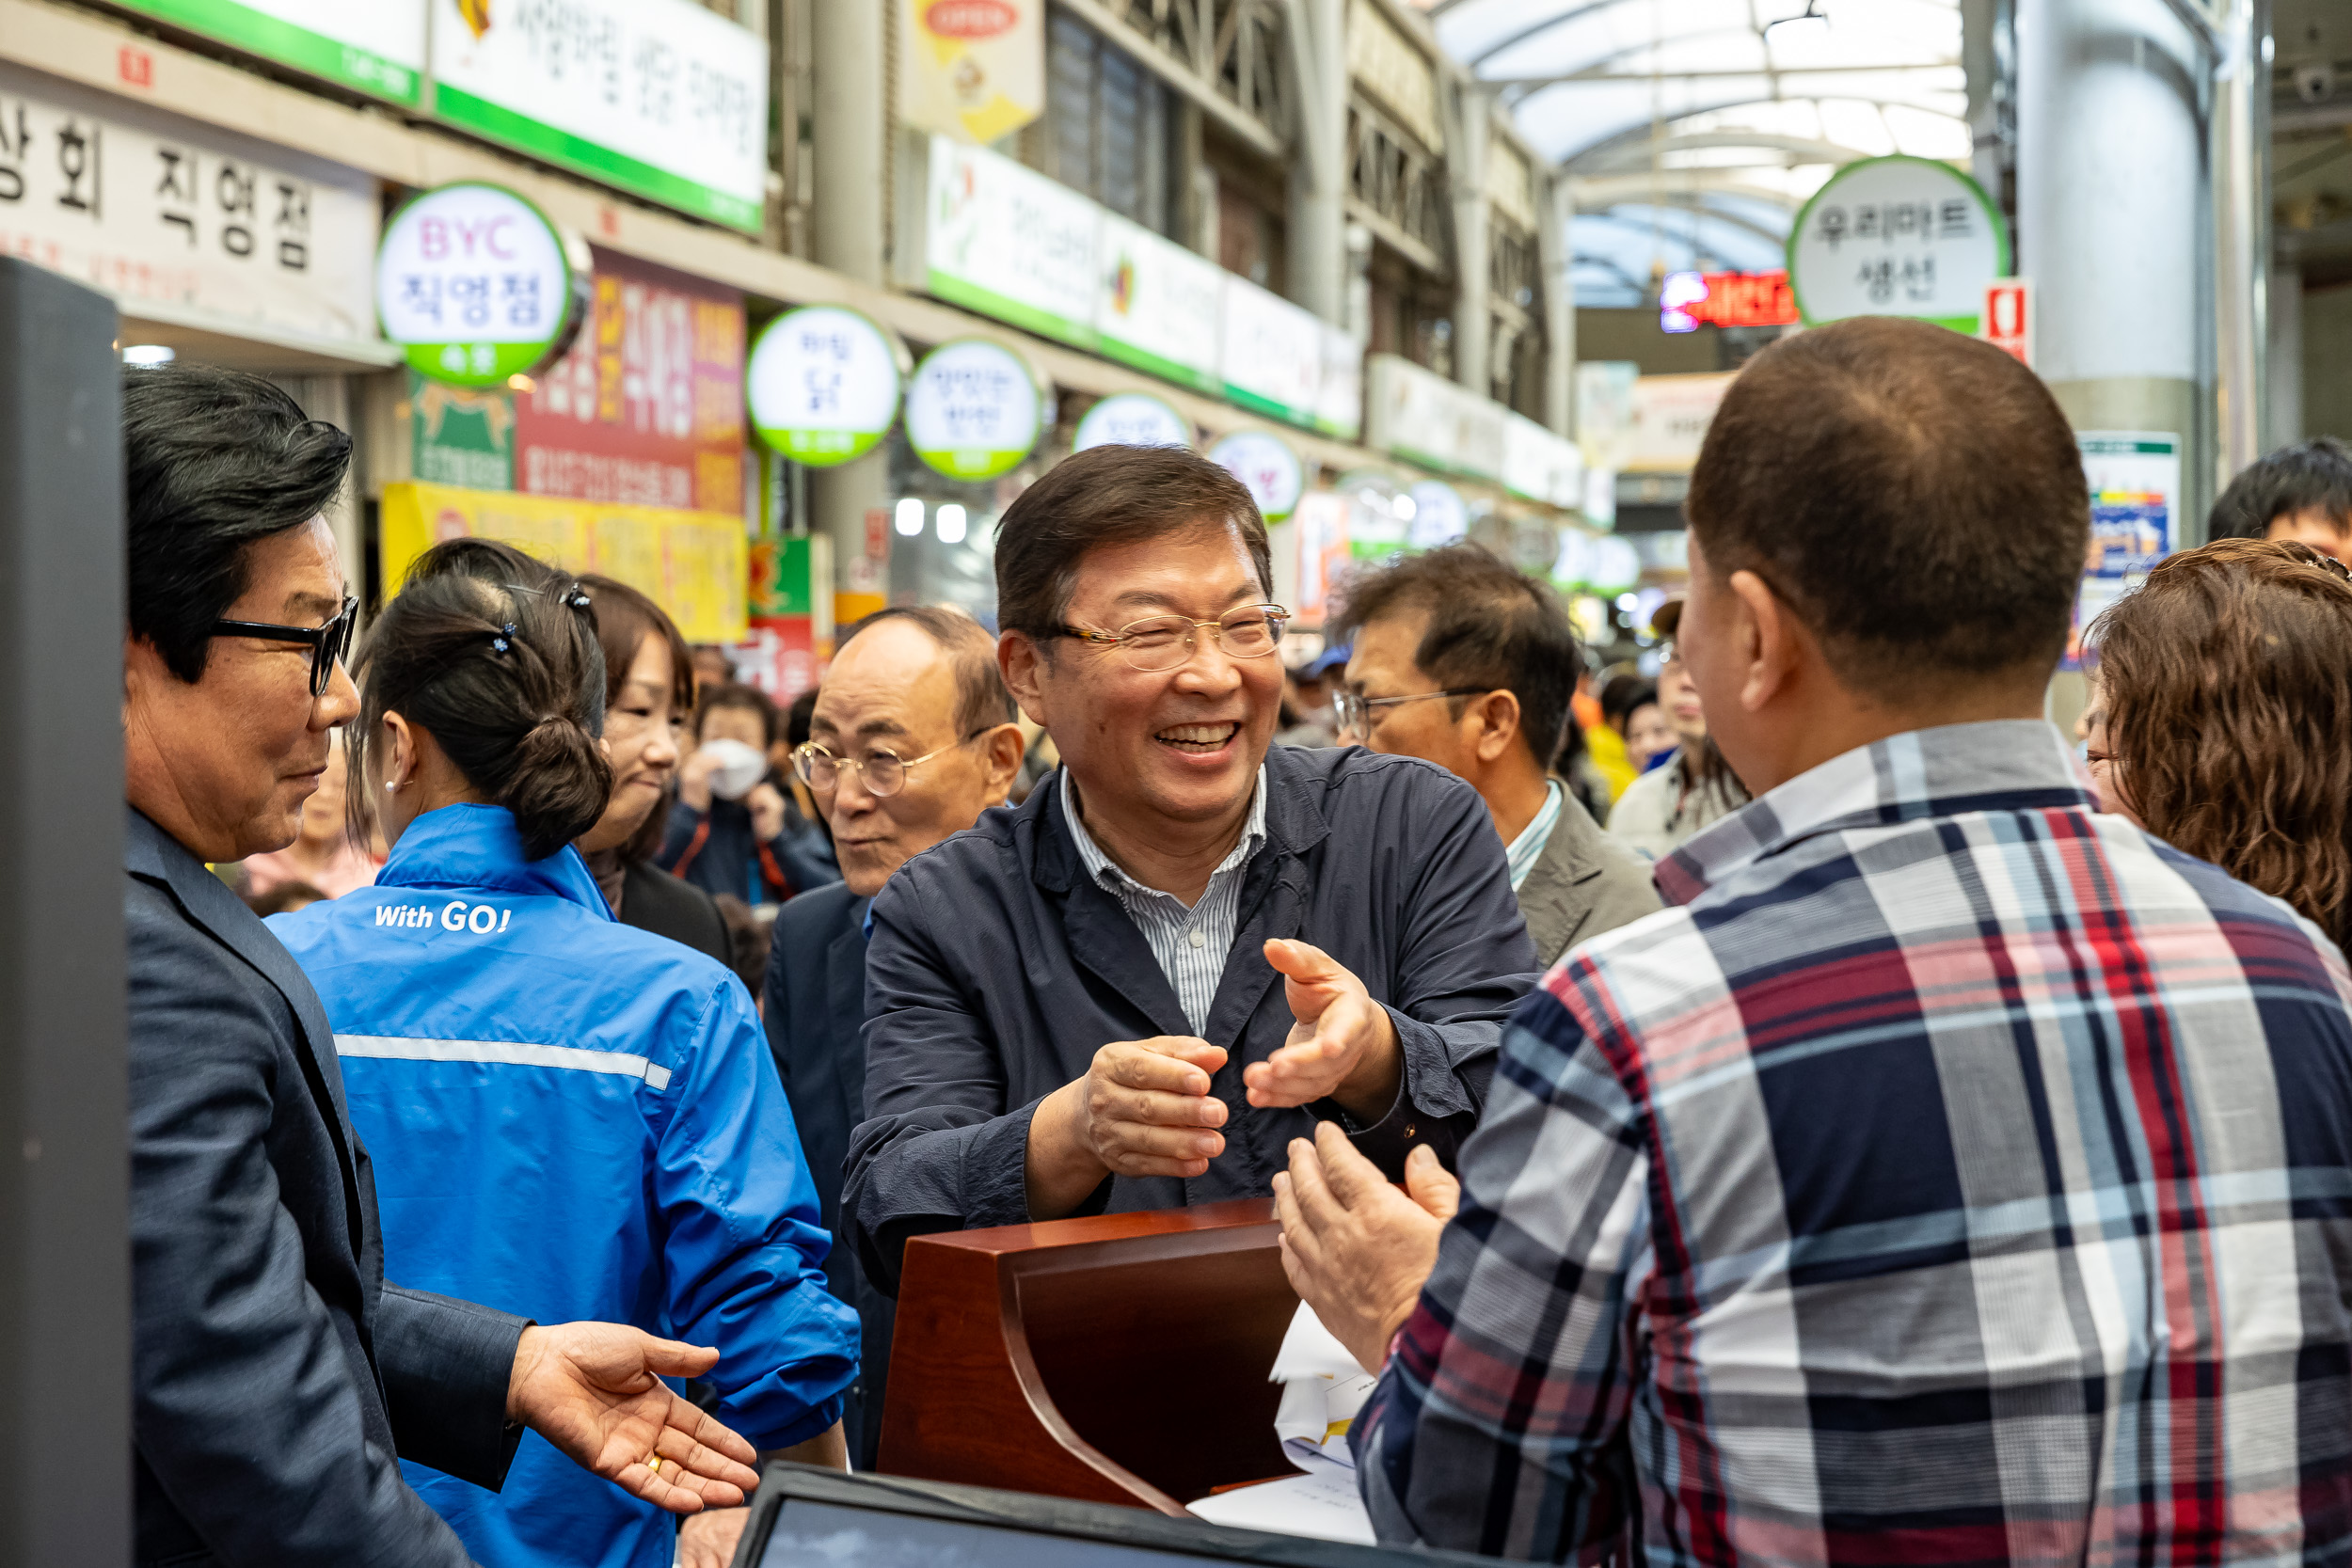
column 1693, row 299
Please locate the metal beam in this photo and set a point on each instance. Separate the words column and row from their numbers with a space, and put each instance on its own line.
column 1254, row 133
column 1807, row 149
column 1531, row 85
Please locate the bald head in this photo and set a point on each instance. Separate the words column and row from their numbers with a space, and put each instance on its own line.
column 906, row 685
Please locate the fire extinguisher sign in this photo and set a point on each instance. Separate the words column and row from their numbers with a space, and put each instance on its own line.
column 2008, row 317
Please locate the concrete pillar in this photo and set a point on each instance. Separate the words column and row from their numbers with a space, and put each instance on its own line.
column 1317, row 260
column 850, row 142
column 2110, row 218
column 1466, row 175
column 1556, row 253
column 2282, row 424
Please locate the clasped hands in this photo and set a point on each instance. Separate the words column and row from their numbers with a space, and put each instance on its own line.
column 1144, row 1106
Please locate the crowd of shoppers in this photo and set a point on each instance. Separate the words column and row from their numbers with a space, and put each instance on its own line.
column 1876, row 1139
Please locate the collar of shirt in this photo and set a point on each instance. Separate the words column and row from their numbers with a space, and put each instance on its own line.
column 2011, row 765
column 1106, row 871
column 1526, row 850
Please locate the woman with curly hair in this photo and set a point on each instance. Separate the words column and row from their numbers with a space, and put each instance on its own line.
column 2223, row 717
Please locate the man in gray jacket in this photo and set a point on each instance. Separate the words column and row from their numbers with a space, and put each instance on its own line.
column 1459, row 659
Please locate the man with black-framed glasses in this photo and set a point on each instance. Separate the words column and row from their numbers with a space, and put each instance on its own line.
column 913, row 737
column 1188, row 945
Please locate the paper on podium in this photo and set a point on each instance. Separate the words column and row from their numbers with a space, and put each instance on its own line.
column 1322, row 1388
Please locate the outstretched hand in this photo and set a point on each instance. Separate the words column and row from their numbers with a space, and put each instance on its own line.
column 1356, row 1249
column 1343, row 1047
column 594, row 1391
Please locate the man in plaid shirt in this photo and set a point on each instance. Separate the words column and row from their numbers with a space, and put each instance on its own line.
column 1949, row 1175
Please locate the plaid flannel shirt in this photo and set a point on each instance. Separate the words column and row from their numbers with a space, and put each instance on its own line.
column 1955, row 1176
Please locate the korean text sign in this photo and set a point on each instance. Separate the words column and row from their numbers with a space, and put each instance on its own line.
column 472, row 280
column 1896, row 236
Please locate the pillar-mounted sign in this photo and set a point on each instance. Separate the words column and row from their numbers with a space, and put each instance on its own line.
column 477, row 285
column 823, row 383
column 975, row 410
column 1264, row 462
column 1132, row 419
column 1896, row 236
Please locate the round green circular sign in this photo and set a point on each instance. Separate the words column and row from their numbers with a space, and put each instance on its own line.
column 974, row 410
column 1896, row 236
column 823, row 385
column 475, row 284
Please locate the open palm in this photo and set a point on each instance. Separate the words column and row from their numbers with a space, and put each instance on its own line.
column 594, row 1391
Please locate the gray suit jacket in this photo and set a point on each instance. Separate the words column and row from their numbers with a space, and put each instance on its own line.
column 1582, row 884
column 276, row 1377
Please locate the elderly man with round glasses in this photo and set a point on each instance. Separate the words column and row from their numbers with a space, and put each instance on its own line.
column 1187, row 946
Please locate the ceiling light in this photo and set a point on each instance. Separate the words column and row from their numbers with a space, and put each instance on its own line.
column 951, row 521
column 149, row 354
column 910, row 516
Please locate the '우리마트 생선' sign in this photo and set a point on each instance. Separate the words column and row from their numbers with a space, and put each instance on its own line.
column 823, row 385
column 975, row 410
column 476, row 284
column 1896, row 236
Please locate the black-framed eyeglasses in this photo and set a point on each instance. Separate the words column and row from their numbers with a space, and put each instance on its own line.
column 1354, row 712
column 328, row 643
column 883, row 771
column 1166, row 641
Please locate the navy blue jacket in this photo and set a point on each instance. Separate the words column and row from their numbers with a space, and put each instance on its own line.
column 816, row 1000
column 998, row 968
column 275, row 1373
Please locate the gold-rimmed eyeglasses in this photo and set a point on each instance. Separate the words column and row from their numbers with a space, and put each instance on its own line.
column 881, row 769
column 1166, row 641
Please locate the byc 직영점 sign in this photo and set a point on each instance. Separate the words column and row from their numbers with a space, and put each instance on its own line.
column 823, row 385
column 476, row 284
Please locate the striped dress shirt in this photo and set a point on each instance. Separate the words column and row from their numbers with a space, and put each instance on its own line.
column 1191, row 944
column 1955, row 1176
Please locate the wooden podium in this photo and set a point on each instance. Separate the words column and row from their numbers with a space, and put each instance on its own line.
column 1119, row 1359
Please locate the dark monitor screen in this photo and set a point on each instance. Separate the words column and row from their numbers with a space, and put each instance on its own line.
column 811, row 1518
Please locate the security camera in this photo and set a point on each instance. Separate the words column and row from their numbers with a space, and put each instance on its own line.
column 2315, row 82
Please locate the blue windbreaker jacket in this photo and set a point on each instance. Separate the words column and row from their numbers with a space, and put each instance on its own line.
column 572, row 1118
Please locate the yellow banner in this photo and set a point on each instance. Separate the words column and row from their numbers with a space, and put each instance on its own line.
column 971, row 69
column 694, row 564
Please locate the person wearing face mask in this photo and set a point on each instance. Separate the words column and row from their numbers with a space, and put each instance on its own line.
column 649, row 689
column 732, row 831
column 572, row 1115
column 1188, row 945
column 911, row 738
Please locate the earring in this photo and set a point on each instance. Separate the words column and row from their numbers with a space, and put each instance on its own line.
column 391, row 787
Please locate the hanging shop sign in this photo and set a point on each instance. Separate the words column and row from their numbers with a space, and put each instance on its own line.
column 1440, row 517
column 2135, row 481
column 1157, row 306
column 1009, row 243
column 1132, row 419
column 1272, row 353
column 975, row 410
column 1319, row 526
column 1264, row 462
column 691, row 563
column 377, row 48
column 1604, row 412
column 1690, row 300
column 1671, row 413
column 1896, row 236
column 476, row 284
column 1438, row 423
column 664, row 98
column 823, row 385
column 154, row 210
column 971, row 69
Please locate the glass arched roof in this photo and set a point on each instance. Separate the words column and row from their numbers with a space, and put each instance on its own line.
column 1691, row 131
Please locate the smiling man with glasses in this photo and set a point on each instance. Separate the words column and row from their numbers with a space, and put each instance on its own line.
column 1188, row 945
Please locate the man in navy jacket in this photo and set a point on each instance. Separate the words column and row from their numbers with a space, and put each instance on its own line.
column 1075, row 1007
column 915, row 685
column 276, row 1378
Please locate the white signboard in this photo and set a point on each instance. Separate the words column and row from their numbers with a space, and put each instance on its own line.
column 377, row 48
column 152, row 209
column 1264, row 462
column 1005, row 240
column 1272, row 353
column 1420, row 414
column 1158, row 304
column 975, row 410
column 664, row 98
column 472, row 280
column 1440, row 518
column 1671, row 413
column 822, row 383
column 1604, row 411
column 1896, row 236
column 1132, row 419
column 1339, row 401
column 974, row 69
column 1539, row 465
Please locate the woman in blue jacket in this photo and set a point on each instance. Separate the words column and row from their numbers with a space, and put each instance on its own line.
column 569, row 1117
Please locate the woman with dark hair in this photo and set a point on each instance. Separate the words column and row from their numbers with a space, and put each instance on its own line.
column 573, row 1118
column 2222, row 721
column 648, row 703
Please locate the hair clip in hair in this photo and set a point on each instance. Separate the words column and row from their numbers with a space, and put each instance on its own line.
column 500, row 641
column 580, row 599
